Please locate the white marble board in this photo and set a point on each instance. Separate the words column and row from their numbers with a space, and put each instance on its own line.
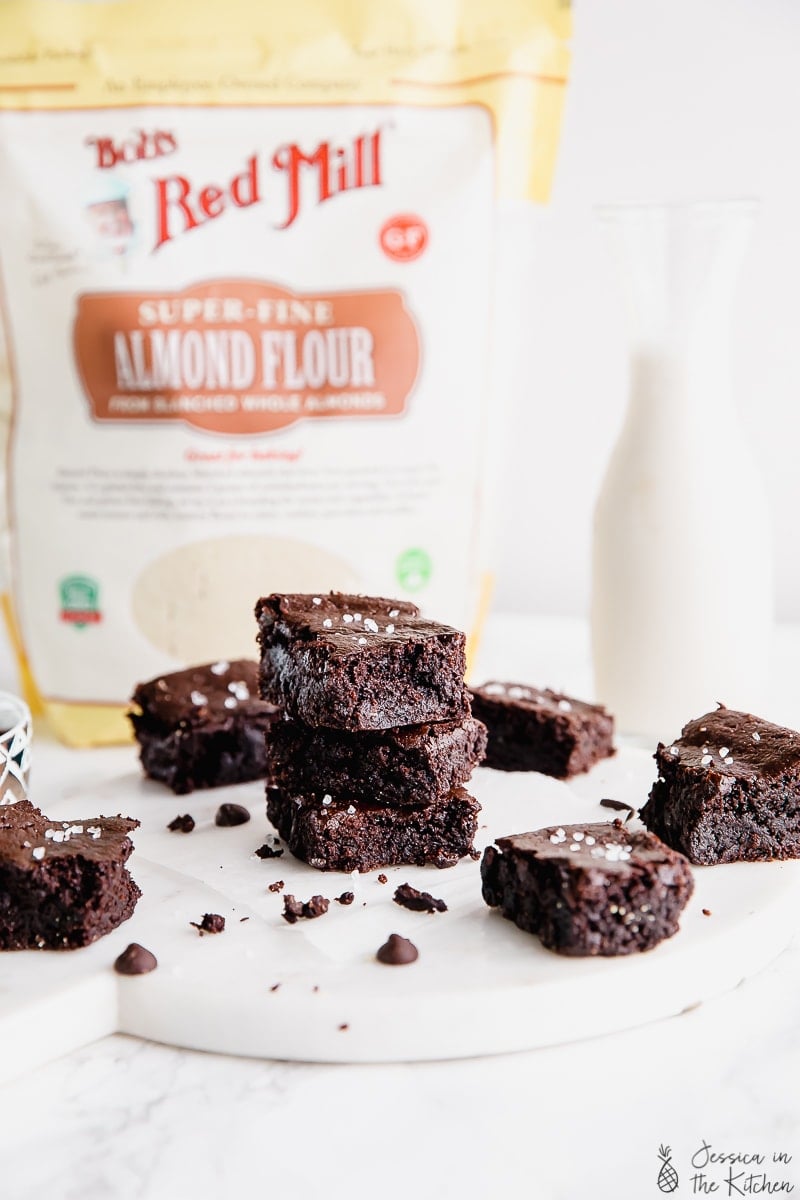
column 480, row 986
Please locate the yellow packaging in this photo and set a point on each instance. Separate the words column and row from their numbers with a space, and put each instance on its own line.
column 246, row 260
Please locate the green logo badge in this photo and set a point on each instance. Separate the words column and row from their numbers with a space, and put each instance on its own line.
column 414, row 568
column 80, row 600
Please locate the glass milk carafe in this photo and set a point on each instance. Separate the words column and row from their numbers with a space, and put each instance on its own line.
column 682, row 571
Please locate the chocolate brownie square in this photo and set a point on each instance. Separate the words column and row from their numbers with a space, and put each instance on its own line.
column 203, row 727
column 407, row 766
column 333, row 835
column 588, row 889
column 63, row 884
column 533, row 729
column 728, row 790
column 359, row 662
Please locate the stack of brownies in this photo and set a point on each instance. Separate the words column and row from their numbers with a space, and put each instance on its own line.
column 377, row 737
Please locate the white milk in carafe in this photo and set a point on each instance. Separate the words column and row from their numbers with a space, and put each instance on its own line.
column 682, row 573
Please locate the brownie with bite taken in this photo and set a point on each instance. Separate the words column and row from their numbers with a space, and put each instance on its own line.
column 63, row 884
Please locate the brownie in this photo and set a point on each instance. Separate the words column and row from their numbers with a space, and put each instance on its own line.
column 337, row 836
column 728, row 790
column 203, row 727
column 359, row 662
column 407, row 766
column 533, row 729
column 599, row 889
column 63, row 884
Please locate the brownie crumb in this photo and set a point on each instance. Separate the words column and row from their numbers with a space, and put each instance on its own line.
column 231, row 814
column 243, row 919
column 382, row 878
column 267, row 851
column 274, row 987
column 343, row 1027
column 211, row 923
column 346, row 898
column 184, row 824
column 409, row 897
column 135, row 960
column 397, row 951
column 617, row 806
column 277, row 886
column 317, row 906
column 294, row 909
column 315, row 988
column 706, row 912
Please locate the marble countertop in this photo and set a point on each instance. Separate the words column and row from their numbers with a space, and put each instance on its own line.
column 125, row 1119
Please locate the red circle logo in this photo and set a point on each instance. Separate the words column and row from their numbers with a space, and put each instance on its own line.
column 404, row 237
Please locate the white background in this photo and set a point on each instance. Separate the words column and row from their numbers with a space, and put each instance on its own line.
column 685, row 99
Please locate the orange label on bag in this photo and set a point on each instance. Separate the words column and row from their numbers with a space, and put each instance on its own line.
column 243, row 357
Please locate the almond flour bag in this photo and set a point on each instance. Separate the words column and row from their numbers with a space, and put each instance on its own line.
column 247, row 258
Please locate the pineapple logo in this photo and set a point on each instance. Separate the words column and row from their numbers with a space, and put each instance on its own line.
column 667, row 1176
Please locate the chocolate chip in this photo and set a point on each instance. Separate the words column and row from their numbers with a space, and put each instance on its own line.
column 346, row 898
column 382, row 878
column 211, row 923
column 397, row 951
column 231, row 814
column 184, row 824
column 706, row 912
column 241, row 919
column 408, row 897
column 343, row 1027
column 267, row 851
column 274, row 987
column 277, row 886
column 135, row 960
column 617, row 805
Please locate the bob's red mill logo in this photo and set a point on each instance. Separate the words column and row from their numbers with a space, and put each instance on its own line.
column 309, row 175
